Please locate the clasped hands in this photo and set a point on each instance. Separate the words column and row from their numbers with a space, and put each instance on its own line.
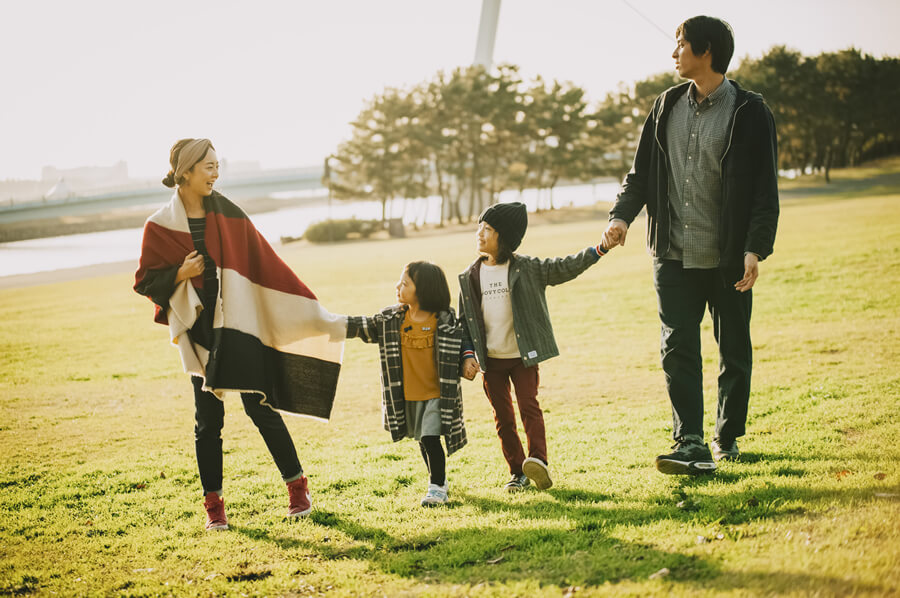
column 614, row 234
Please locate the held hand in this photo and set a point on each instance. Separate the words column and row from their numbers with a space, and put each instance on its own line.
column 751, row 273
column 614, row 234
column 469, row 368
column 192, row 266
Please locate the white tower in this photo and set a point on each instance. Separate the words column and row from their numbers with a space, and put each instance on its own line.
column 487, row 32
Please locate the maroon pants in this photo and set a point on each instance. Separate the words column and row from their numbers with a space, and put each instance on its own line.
column 497, row 376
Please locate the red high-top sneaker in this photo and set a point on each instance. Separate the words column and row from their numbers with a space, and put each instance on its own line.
column 301, row 503
column 215, row 512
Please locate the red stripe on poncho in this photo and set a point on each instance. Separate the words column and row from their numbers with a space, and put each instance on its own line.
column 272, row 336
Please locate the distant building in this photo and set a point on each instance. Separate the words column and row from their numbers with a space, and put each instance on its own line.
column 21, row 191
column 65, row 183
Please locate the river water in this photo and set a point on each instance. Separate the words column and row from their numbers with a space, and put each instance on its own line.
column 72, row 251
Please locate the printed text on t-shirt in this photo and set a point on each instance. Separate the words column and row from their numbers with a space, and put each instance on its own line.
column 494, row 288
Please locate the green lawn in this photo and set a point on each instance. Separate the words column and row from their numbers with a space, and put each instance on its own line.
column 99, row 493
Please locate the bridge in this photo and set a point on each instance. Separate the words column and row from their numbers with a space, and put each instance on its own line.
column 147, row 193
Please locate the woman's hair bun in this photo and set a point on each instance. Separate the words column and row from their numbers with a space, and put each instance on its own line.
column 169, row 181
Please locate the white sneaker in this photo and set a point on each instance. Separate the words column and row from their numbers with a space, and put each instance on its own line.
column 538, row 472
column 436, row 495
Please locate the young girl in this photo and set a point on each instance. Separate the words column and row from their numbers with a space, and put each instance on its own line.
column 421, row 353
column 505, row 317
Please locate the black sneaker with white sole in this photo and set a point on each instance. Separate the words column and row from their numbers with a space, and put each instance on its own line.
column 688, row 458
column 725, row 450
column 517, row 483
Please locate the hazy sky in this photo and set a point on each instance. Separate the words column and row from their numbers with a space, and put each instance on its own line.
column 91, row 82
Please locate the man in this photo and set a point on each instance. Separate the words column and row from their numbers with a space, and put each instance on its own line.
column 705, row 169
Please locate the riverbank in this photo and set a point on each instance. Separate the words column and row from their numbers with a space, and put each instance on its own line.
column 122, row 218
column 878, row 177
column 558, row 216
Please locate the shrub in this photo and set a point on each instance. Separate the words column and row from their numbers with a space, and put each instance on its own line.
column 340, row 230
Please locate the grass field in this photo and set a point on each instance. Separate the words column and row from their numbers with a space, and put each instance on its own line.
column 99, row 493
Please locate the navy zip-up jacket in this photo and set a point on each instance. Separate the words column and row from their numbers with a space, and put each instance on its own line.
column 749, row 171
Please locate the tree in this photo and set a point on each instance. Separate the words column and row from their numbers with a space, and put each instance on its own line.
column 383, row 159
column 468, row 135
column 831, row 110
column 615, row 125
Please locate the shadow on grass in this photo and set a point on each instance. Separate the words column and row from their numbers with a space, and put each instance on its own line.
column 570, row 537
column 470, row 555
column 750, row 458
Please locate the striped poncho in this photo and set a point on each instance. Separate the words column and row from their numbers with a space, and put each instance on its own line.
column 269, row 333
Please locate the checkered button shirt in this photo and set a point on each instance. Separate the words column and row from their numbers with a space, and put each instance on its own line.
column 696, row 139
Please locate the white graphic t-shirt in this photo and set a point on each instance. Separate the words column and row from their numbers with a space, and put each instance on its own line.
column 497, row 309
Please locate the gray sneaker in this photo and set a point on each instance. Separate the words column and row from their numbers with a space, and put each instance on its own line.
column 517, row 483
column 723, row 450
column 688, row 458
column 436, row 495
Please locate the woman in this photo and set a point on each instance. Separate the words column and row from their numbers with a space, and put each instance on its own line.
column 241, row 319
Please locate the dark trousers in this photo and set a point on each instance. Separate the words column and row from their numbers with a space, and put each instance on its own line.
column 684, row 295
column 435, row 460
column 497, row 376
column 210, row 418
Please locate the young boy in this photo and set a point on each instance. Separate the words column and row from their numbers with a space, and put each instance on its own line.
column 505, row 318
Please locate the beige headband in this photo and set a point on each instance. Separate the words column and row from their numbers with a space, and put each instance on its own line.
column 190, row 154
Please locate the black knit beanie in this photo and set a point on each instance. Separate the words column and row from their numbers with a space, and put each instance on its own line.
column 509, row 220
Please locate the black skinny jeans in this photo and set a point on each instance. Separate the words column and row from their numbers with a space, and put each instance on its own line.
column 210, row 418
column 684, row 295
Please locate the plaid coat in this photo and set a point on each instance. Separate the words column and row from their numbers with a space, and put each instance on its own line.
column 384, row 328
